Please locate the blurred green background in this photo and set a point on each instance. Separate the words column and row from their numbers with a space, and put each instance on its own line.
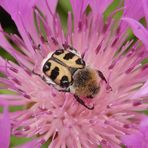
column 9, row 26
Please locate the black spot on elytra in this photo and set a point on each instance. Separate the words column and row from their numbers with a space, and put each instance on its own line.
column 79, row 61
column 64, row 82
column 46, row 67
column 59, row 51
column 54, row 73
column 69, row 55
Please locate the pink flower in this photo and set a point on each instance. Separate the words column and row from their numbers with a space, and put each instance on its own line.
column 138, row 139
column 52, row 115
column 139, row 30
column 4, row 129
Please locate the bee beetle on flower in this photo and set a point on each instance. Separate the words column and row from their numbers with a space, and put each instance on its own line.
column 66, row 70
column 80, row 83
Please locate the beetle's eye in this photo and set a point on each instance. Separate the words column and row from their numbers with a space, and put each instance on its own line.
column 64, row 81
column 72, row 49
column 80, row 61
column 59, row 51
column 46, row 67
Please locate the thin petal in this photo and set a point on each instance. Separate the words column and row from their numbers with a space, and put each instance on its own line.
column 22, row 12
column 31, row 144
column 142, row 92
column 133, row 9
column 100, row 6
column 145, row 6
column 17, row 55
column 138, row 30
column 5, row 129
column 48, row 8
column 133, row 141
column 144, row 125
column 138, row 139
column 78, row 9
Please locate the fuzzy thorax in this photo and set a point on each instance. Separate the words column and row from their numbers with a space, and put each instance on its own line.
column 86, row 83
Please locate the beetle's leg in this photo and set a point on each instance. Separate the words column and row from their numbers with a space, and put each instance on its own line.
column 104, row 79
column 42, row 77
column 36, row 74
column 82, row 103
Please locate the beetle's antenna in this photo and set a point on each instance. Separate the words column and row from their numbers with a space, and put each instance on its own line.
column 65, row 45
column 38, row 50
column 42, row 77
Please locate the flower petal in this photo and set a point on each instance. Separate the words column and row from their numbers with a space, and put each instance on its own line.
column 48, row 8
column 5, row 129
column 142, row 92
column 133, row 9
column 145, row 6
column 144, row 125
column 100, row 6
column 16, row 54
column 138, row 30
column 140, row 138
column 22, row 12
column 33, row 143
column 78, row 9
column 133, row 141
